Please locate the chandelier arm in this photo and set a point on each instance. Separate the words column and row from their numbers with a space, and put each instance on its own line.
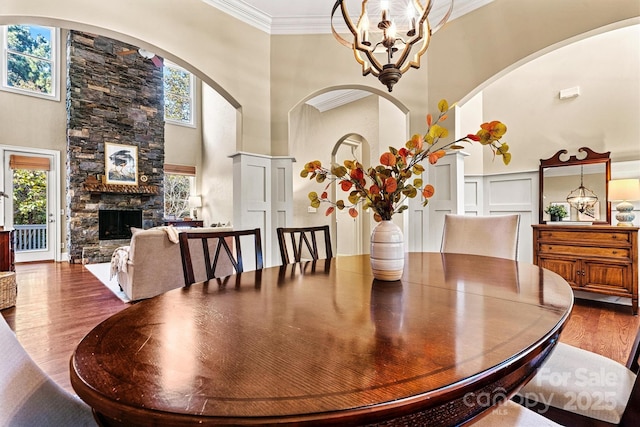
column 347, row 20
column 421, row 34
column 444, row 19
column 356, row 47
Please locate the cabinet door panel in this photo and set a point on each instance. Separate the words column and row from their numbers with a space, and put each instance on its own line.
column 607, row 276
column 566, row 268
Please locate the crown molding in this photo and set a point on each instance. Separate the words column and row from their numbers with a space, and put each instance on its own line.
column 336, row 98
column 318, row 24
column 244, row 12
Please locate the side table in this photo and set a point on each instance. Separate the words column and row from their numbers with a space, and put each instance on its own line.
column 8, row 289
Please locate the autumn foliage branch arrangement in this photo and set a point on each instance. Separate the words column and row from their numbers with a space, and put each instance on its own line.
column 385, row 187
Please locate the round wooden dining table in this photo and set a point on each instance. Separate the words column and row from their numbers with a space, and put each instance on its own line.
column 323, row 343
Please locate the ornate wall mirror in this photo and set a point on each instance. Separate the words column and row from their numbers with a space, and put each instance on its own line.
column 577, row 182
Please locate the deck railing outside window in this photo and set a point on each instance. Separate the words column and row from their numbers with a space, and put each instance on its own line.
column 30, row 237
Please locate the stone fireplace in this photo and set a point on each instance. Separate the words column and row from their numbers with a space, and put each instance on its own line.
column 113, row 96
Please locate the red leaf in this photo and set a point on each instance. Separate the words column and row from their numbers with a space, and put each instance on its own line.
column 330, row 210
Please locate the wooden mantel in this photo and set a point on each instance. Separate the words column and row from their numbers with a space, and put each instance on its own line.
column 95, row 186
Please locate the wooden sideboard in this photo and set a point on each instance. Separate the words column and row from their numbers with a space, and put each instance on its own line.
column 599, row 259
column 184, row 223
column 7, row 262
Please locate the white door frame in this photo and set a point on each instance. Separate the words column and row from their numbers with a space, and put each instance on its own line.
column 54, row 193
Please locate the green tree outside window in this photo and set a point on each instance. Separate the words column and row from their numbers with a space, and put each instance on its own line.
column 177, row 94
column 29, row 58
column 177, row 189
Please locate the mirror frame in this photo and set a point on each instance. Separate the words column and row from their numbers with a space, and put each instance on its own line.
column 591, row 157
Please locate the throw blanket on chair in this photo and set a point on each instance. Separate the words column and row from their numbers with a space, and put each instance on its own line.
column 119, row 260
column 172, row 233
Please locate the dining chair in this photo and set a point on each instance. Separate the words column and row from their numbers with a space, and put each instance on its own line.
column 301, row 238
column 495, row 236
column 28, row 396
column 510, row 414
column 576, row 387
column 226, row 247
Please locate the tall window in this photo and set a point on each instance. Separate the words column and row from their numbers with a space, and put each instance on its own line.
column 179, row 94
column 179, row 184
column 29, row 60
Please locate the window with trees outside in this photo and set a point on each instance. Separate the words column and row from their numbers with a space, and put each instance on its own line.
column 179, row 184
column 179, row 95
column 29, row 61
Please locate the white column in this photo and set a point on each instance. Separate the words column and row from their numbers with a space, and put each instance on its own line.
column 263, row 197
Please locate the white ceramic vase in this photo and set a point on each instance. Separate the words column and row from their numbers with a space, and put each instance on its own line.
column 387, row 251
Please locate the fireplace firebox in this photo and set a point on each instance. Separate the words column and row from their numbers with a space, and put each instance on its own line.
column 116, row 224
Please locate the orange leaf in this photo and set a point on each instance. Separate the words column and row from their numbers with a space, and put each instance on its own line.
column 390, row 185
column 353, row 212
column 443, row 118
column 428, row 191
column 429, row 119
column 374, row 189
column 346, row 185
column 388, row 159
column 433, row 157
column 324, row 195
column 330, row 210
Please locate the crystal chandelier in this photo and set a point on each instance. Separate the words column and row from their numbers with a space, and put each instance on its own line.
column 582, row 199
column 396, row 43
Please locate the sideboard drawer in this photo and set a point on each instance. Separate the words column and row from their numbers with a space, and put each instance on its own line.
column 600, row 237
column 585, row 250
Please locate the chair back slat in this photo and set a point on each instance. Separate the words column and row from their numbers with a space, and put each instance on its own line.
column 301, row 238
column 631, row 414
column 633, row 362
column 224, row 253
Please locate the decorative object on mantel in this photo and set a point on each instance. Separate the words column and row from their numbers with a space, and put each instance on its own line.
column 121, row 164
column 374, row 46
column 94, row 186
column 556, row 211
column 624, row 190
column 389, row 185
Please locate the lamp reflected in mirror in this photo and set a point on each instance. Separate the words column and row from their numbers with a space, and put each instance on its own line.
column 582, row 199
column 625, row 191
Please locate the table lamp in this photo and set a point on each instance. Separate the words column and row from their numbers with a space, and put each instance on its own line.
column 624, row 190
column 195, row 202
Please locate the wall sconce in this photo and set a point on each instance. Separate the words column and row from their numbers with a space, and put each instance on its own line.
column 195, row 202
column 624, row 190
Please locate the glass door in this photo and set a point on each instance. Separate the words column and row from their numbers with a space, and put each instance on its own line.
column 29, row 194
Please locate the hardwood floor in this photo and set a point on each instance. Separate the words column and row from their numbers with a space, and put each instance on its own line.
column 58, row 303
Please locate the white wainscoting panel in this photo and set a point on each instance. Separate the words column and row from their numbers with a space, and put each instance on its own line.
column 515, row 193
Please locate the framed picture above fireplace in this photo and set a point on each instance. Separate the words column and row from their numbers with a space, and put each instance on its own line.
column 121, row 164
